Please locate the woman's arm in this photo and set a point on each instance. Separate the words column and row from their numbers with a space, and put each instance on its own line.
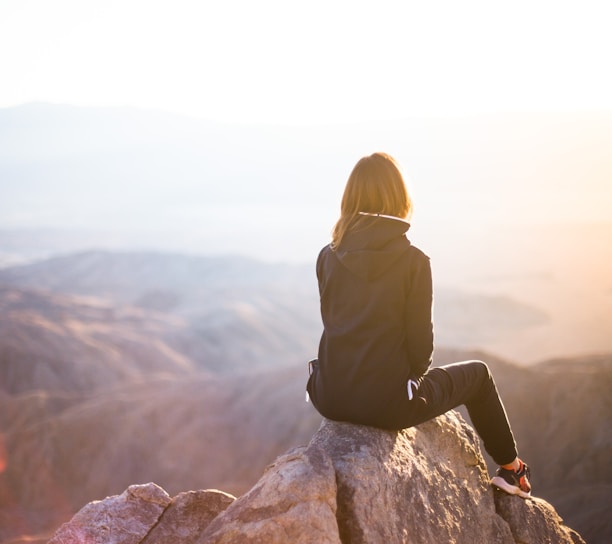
column 419, row 320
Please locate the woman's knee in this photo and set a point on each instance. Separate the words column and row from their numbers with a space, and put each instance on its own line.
column 478, row 369
column 485, row 376
column 479, row 374
column 483, row 368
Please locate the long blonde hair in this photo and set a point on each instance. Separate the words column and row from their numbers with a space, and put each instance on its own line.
column 376, row 185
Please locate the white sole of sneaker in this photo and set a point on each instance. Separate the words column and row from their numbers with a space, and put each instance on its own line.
column 500, row 483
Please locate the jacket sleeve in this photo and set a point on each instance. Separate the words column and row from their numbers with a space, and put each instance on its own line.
column 419, row 319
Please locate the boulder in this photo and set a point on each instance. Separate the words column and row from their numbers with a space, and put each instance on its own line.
column 421, row 485
column 350, row 484
column 294, row 501
column 125, row 518
column 534, row 521
column 187, row 516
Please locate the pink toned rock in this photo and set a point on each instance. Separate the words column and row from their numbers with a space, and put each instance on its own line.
column 122, row 519
column 187, row 516
column 534, row 521
column 294, row 501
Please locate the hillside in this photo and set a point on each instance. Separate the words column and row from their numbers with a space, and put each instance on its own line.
column 192, row 433
column 269, row 311
column 56, row 342
column 234, row 312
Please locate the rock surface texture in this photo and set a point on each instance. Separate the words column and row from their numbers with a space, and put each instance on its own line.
column 351, row 484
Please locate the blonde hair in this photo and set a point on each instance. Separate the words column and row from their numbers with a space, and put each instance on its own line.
column 376, row 185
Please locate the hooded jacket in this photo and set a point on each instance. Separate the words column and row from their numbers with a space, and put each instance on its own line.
column 376, row 305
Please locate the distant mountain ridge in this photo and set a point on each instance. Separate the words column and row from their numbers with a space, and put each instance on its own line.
column 64, row 343
column 257, row 302
column 119, row 274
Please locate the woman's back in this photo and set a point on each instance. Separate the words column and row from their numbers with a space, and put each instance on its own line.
column 375, row 294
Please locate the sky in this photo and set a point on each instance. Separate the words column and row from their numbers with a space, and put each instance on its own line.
column 326, row 62
column 321, row 61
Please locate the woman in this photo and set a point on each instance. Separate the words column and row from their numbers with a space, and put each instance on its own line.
column 373, row 365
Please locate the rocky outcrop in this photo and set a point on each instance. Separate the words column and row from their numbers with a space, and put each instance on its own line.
column 351, row 484
column 144, row 514
column 187, row 515
column 126, row 518
column 533, row 520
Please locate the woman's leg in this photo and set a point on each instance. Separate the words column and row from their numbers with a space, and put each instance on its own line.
column 470, row 383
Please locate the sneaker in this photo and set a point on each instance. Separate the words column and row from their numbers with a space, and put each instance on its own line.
column 515, row 483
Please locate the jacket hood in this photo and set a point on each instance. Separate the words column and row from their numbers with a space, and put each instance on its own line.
column 373, row 244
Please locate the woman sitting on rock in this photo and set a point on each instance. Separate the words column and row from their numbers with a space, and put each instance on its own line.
column 374, row 358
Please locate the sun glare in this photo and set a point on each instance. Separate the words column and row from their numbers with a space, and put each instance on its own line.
column 3, row 454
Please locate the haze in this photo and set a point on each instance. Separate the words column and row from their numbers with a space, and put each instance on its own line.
column 308, row 62
column 231, row 127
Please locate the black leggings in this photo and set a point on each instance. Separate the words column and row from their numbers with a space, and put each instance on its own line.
column 470, row 383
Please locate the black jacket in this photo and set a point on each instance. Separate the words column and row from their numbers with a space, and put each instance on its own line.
column 376, row 306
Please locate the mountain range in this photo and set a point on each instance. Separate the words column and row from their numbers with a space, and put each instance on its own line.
column 236, row 297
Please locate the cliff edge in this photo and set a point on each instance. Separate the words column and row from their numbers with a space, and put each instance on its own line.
column 350, row 484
